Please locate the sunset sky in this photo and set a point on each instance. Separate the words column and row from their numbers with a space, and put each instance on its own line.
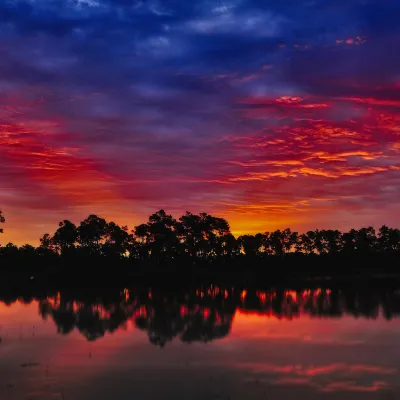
column 268, row 113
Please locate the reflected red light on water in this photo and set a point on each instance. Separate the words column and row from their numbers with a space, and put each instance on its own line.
column 184, row 311
column 262, row 296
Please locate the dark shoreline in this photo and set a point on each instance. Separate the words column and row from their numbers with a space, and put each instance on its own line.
column 176, row 279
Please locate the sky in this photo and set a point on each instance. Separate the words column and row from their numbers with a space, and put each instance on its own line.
column 271, row 114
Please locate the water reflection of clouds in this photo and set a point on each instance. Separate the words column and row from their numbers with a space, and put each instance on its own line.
column 325, row 378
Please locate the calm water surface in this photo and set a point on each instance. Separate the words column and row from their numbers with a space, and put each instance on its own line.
column 280, row 345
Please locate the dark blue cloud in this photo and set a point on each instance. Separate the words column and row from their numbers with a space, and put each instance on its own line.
column 157, row 55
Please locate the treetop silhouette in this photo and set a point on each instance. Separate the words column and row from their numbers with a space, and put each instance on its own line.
column 2, row 220
column 198, row 237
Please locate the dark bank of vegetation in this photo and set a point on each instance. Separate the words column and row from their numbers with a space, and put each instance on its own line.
column 199, row 246
column 203, row 313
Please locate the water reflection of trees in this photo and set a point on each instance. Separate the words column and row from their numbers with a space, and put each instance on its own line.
column 204, row 314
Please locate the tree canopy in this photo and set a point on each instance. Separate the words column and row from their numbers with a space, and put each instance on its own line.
column 199, row 237
column 2, row 220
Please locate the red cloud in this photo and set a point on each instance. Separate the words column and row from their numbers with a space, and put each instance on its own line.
column 352, row 41
column 314, row 153
column 304, row 163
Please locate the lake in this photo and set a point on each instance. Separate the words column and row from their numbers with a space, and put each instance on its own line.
column 206, row 343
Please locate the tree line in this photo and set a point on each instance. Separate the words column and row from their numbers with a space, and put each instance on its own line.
column 197, row 237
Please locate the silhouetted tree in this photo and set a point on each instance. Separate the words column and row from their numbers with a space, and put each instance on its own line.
column 2, row 220
column 191, row 232
column 290, row 240
column 321, row 242
column 46, row 244
column 250, row 244
column 158, row 237
column 117, row 241
column 27, row 251
column 307, row 241
column 229, row 245
column 65, row 237
column 333, row 240
column 366, row 240
column 10, row 251
column 349, row 241
column 203, row 235
column 278, row 241
column 388, row 239
column 217, row 229
column 92, row 233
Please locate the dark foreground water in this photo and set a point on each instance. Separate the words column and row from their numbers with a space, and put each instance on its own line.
column 211, row 343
